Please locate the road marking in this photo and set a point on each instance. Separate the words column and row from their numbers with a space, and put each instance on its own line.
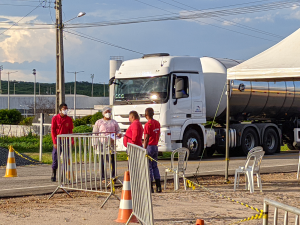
column 11, row 189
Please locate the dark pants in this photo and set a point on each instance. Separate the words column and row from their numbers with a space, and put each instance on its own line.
column 54, row 159
column 112, row 165
column 152, row 151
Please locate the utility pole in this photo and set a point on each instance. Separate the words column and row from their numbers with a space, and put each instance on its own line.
column 92, row 76
column 34, row 74
column 60, row 76
column 74, row 116
column 1, row 68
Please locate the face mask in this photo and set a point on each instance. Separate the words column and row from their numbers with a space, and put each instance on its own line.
column 65, row 112
column 107, row 115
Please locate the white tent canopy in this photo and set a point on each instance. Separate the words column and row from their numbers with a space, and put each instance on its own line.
column 280, row 62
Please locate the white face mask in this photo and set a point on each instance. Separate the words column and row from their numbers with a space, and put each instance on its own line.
column 107, row 115
column 65, row 112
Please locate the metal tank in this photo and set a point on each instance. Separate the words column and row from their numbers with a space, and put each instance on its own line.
column 249, row 99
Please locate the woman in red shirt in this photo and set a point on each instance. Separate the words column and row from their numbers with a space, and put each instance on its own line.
column 134, row 133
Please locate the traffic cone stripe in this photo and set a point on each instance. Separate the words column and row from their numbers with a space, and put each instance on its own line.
column 126, row 204
column 126, row 195
column 11, row 160
column 11, row 166
column 126, row 186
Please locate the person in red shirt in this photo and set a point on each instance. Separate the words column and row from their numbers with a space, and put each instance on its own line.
column 151, row 138
column 134, row 133
column 61, row 124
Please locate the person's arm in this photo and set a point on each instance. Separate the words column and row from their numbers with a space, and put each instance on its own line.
column 117, row 129
column 53, row 131
column 71, row 127
column 146, row 140
column 134, row 133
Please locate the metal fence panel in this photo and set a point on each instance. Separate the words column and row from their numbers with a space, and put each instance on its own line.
column 85, row 163
column 140, row 184
column 287, row 209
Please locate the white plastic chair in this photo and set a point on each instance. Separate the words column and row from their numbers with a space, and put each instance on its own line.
column 180, row 167
column 256, row 154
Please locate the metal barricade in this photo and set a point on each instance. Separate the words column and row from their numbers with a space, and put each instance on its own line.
column 85, row 163
column 277, row 206
column 140, row 184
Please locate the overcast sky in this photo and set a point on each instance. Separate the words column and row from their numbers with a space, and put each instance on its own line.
column 239, row 36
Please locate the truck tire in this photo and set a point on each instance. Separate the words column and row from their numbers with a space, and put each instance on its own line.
column 192, row 141
column 249, row 140
column 270, row 141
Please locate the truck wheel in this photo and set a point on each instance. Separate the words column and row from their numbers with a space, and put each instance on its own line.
column 270, row 141
column 249, row 140
column 192, row 141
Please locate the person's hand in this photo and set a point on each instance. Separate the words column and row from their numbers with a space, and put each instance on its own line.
column 119, row 135
column 55, row 146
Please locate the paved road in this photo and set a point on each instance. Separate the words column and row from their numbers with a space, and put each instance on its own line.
column 33, row 180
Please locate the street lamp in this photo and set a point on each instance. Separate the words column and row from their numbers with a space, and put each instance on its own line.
column 75, row 92
column 1, row 68
column 8, row 103
column 34, row 100
column 92, row 76
column 60, row 77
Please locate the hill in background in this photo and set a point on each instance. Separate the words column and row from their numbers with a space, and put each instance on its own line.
column 82, row 88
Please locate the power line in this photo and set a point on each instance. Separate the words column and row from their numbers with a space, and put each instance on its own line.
column 209, row 14
column 209, row 24
column 79, row 34
column 233, row 23
column 21, row 18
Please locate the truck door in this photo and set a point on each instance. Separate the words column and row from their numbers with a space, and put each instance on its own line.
column 180, row 106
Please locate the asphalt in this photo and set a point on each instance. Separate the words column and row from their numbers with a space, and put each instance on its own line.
column 35, row 179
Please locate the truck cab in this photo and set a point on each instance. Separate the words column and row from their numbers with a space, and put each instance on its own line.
column 174, row 87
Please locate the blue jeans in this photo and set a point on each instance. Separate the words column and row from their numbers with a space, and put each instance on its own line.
column 152, row 151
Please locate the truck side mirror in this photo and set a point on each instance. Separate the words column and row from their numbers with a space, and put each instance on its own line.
column 179, row 88
column 111, row 81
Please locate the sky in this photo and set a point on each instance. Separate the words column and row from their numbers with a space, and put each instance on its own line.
column 25, row 47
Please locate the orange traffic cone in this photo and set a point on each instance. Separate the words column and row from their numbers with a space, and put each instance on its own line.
column 126, row 203
column 199, row 222
column 11, row 168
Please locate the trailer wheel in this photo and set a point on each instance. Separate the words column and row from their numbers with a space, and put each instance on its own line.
column 249, row 140
column 270, row 141
column 192, row 141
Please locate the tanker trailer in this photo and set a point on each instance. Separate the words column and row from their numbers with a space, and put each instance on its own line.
column 185, row 94
column 261, row 113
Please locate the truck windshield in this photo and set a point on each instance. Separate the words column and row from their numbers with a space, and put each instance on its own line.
column 142, row 90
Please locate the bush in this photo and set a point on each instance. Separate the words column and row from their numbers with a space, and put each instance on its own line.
column 11, row 116
column 96, row 117
column 82, row 121
column 82, row 129
column 28, row 143
column 27, row 121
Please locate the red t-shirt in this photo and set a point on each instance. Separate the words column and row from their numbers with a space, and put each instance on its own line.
column 61, row 125
column 134, row 134
column 152, row 127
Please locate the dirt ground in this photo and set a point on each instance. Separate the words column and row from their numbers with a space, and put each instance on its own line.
column 169, row 207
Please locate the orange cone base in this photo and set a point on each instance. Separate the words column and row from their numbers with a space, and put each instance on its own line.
column 124, row 215
column 199, row 222
column 11, row 173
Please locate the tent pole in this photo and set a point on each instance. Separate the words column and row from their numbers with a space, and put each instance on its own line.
column 227, row 131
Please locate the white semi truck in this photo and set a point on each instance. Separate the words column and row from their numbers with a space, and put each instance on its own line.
column 186, row 94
